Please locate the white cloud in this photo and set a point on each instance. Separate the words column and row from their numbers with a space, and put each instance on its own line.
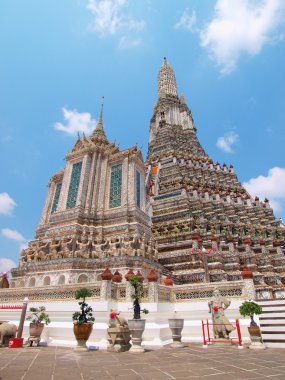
column 227, row 141
column 6, row 265
column 186, row 21
column 76, row 122
column 13, row 234
column 126, row 43
column 109, row 17
column 241, row 27
column 272, row 187
column 7, row 204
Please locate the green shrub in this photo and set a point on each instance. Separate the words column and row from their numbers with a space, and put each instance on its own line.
column 249, row 309
column 85, row 314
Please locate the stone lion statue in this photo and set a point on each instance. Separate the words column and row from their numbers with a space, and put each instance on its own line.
column 116, row 320
column 7, row 330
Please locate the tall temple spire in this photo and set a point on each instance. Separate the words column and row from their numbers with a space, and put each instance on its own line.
column 99, row 130
column 100, row 122
column 166, row 81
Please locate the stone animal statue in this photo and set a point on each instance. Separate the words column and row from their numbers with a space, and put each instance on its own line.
column 7, row 330
column 117, row 321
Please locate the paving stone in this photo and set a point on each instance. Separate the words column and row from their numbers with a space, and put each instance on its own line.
column 51, row 363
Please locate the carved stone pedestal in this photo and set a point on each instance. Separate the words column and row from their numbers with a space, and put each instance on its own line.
column 176, row 325
column 119, row 339
column 137, row 327
column 256, row 339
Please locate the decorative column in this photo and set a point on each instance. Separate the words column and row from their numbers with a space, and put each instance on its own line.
column 131, row 189
column 83, row 183
column 249, row 289
column 129, row 287
column 125, row 182
column 152, row 286
column 91, row 182
column 101, row 191
column 105, row 291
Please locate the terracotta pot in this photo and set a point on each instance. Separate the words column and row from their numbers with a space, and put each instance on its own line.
column 129, row 274
column 246, row 273
column 82, row 331
column 106, row 275
column 36, row 329
column 168, row 281
column 255, row 337
column 254, row 331
column 152, row 277
column 136, row 327
column 140, row 276
column 117, row 277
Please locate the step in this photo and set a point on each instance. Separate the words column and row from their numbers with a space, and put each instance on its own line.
column 263, row 325
column 273, row 308
column 274, row 344
column 273, row 340
column 272, row 315
column 273, row 328
column 273, row 305
column 273, row 334
column 278, row 310
column 270, row 302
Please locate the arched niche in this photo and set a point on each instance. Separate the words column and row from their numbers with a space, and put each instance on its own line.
column 61, row 279
column 46, row 281
column 82, row 279
column 32, row 282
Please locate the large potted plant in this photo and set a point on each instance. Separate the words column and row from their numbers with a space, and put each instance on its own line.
column 137, row 325
column 249, row 309
column 82, row 320
column 39, row 318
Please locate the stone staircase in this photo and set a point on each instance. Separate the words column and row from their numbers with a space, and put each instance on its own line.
column 272, row 322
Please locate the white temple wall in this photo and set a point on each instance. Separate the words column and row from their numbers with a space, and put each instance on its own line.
column 91, row 181
column 157, row 332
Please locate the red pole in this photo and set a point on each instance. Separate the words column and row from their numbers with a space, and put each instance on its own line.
column 208, row 329
column 239, row 334
column 204, row 339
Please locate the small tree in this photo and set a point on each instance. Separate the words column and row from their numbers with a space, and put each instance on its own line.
column 249, row 309
column 138, row 287
column 38, row 315
column 85, row 315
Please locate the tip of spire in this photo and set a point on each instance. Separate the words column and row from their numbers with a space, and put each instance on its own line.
column 100, row 121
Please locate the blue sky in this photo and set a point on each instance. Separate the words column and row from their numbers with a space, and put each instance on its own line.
column 59, row 57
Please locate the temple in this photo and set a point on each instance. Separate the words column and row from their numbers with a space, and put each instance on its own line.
column 206, row 224
column 179, row 214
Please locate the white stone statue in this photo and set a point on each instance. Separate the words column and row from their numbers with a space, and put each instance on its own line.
column 96, row 250
column 54, row 247
column 65, row 250
column 83, row 248
column 217, row 307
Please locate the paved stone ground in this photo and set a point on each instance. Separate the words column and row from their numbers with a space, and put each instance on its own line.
column 191, row 362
